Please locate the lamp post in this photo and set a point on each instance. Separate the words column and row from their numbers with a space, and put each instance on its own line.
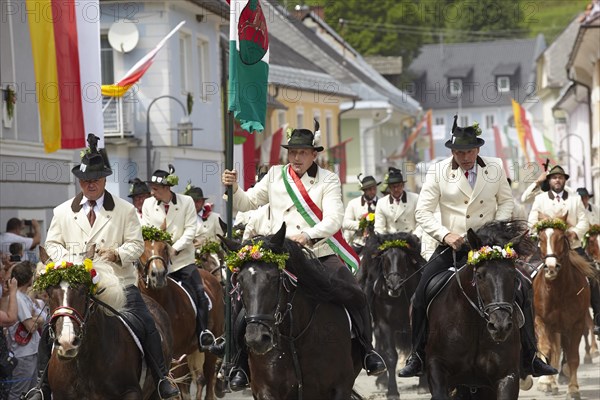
column 148, row 141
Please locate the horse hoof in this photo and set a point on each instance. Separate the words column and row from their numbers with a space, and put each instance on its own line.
column 422, row 390
column 573, row 396
column 562, row 379
column 554, row 391
column 526, row 384
column 393, row 397
column 587, row 359
column 595, row 354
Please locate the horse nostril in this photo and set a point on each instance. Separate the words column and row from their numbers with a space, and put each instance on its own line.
column 491, row 327
column 509, row 326
column 76, row 342
column 265, row 338
column 153, row 274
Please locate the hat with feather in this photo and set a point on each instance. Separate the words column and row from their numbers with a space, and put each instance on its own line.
column 94, row 161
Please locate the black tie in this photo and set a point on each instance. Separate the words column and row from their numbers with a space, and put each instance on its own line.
column 92, row 214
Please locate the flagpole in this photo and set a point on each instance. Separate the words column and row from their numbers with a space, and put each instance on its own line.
column 229, row 221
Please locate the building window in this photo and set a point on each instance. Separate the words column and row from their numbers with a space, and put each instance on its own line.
column 184, row 61
column 503, row 83
column 489, row 121
column 107, row 64
column 299, row 118
column 203, row 65
column 455, row 86
column 439, row 120
column 281, row 119
column 329, row 128
column 464, row 121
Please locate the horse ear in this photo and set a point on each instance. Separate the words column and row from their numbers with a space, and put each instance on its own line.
column 229, row 244
column 90, row 251
column 279, row 237
column 44, row 257
column 473, row 239
column 517, row 239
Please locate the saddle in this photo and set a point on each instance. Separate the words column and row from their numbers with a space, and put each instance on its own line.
column 436, row 284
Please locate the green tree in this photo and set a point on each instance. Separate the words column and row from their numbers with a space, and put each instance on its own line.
column 469, row 20
column 379, row 27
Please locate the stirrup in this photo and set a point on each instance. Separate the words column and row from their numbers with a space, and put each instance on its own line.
column 32, row 392
column 218, row 347
column 167, row 379
column 205, row 333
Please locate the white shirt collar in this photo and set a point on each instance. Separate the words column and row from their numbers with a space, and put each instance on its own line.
column 86, row 206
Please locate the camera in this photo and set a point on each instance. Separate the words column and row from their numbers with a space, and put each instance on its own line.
column 15, row 258
column 27, row 222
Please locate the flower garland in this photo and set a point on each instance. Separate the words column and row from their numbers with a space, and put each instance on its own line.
column 153, row 233
column 491, row 253
column 366, row 221
column 73, row 274
column 388, row 244
column 254, row 252
column 594, row 230
column 554, row 223
column 476, row 128
column 209, row 248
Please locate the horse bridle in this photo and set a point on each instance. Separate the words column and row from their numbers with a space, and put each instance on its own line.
column 74, row 315
column 386, row 277
column 484, row 310
column 145, row 276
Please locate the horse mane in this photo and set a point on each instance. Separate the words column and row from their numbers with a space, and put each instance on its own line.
column 501, row 233
column 370, row 261
column 314, row 278
column 110, row 289
column 583, row 266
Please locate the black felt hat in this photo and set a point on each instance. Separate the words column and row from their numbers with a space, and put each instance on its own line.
column 584, row 192
column 138, row 187
column 394, row 176
column 465, row 138
column 195, row 192
column 94, row 161
column 557, row 170
column 367, row 182
column 303, row 139
column 162, row 177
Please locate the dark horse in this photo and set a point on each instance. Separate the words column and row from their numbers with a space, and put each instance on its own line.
column 153, row 281
column 561, row 301
column 473, row 339
column 299, row 341
column 389, row 274
column 94, row 356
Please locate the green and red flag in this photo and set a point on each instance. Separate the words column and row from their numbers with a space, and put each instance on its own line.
column 248, row 64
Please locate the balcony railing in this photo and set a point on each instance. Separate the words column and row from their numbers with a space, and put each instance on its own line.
column 118, row 116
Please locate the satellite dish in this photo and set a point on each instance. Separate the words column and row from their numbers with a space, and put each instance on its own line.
column 123, row 36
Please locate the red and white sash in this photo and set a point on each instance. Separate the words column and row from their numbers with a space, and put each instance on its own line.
column 312, row 214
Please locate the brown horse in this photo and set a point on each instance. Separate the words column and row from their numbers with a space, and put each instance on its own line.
column 94, row 356
column 561, row 301
column 299, row 340
column 153, row 281
column 474, row 341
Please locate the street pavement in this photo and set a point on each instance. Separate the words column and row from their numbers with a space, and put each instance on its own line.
column 588, row 376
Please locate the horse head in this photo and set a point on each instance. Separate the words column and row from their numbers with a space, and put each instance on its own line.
column 495, row 282
column 592, row 243
column 72, row 289
column 397, row 259
column 154, row 262
column 259, row 282
column 554, row 245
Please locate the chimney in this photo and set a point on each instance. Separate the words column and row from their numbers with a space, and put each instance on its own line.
column 301, row 11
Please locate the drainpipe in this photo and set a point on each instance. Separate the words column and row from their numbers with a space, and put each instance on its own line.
column 368, row 145
column 590, row 121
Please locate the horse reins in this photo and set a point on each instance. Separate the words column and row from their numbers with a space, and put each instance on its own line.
column 145, row 276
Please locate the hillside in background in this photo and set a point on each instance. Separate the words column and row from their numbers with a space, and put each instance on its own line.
column 552, row 17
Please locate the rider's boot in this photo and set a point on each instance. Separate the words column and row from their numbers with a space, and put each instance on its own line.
column 372, row 362
column 532, row 364
column 416, row 360
column 240, row 373
column 41, row 391
column 156, row 361
column 595, row 300
column 205, row 337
